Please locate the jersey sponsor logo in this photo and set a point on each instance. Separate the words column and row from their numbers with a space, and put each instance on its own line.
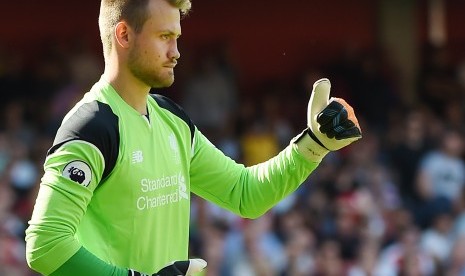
column 137, row 157
column 182, row 187
column 79, row 172
column 162, row 191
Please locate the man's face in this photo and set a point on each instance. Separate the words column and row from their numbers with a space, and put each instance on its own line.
column 154, row 53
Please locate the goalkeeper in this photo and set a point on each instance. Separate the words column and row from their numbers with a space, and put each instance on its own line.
column 115, row 195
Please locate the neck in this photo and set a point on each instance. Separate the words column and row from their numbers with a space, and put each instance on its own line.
column 130, row 89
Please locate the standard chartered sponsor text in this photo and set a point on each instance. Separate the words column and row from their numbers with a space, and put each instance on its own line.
column 148, row 185
column 145, row 202
column 159, row 192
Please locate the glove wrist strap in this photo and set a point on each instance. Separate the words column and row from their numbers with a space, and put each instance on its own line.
column 311, row 148
column 313, row 136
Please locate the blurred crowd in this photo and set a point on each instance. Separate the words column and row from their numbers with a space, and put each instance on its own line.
column 390, row 204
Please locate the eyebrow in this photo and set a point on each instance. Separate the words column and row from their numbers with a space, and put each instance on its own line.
column 170, row 33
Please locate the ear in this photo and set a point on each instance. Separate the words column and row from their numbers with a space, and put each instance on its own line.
column 122, row 34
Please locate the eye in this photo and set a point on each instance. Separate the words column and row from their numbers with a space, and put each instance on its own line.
column 164, row 37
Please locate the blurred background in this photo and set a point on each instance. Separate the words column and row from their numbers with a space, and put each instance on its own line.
column 390, row 204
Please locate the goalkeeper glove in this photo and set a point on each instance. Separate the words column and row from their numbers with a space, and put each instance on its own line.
column 331, row 122
column 177, row 268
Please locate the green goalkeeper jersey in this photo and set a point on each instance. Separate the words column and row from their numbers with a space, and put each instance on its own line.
column 118, row 184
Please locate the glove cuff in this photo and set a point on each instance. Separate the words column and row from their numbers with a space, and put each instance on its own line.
column 311, row 148
column 313, row 136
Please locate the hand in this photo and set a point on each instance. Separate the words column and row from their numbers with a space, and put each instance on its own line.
column 332, row 124
column 177, row 268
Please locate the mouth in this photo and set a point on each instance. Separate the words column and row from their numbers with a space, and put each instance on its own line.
column 170, row 65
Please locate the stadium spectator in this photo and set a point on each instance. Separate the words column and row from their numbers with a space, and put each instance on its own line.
column 385, row 169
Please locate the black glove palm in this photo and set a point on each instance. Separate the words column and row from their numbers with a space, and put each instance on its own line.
column 177, row 268
column 334, row 122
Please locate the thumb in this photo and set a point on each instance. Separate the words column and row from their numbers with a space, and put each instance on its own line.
column 318, row 101
column 195, row 266
column 186, row 267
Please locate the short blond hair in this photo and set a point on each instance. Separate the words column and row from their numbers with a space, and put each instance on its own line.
column 132, row 11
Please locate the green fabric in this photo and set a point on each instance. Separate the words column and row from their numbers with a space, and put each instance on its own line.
column 94, row 266
column 138, row 217
column 60, row 205
column 248, row 192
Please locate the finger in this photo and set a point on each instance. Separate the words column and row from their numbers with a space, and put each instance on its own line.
column 319, row 98
column 348, row 131
column 332, row 115
column 334, row 122
column 172, row 270
column 186, row 267
column 182, row 266
column 350, row 111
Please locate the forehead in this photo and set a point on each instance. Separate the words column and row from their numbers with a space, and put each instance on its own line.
column 163, row 17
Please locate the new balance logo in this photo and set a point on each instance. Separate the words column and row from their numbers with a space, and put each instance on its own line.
column 137, row 157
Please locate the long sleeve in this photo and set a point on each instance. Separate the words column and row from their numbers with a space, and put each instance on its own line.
column 65, row 191
column 246, row 191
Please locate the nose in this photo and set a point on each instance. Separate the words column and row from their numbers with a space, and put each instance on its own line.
column 174, row 52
